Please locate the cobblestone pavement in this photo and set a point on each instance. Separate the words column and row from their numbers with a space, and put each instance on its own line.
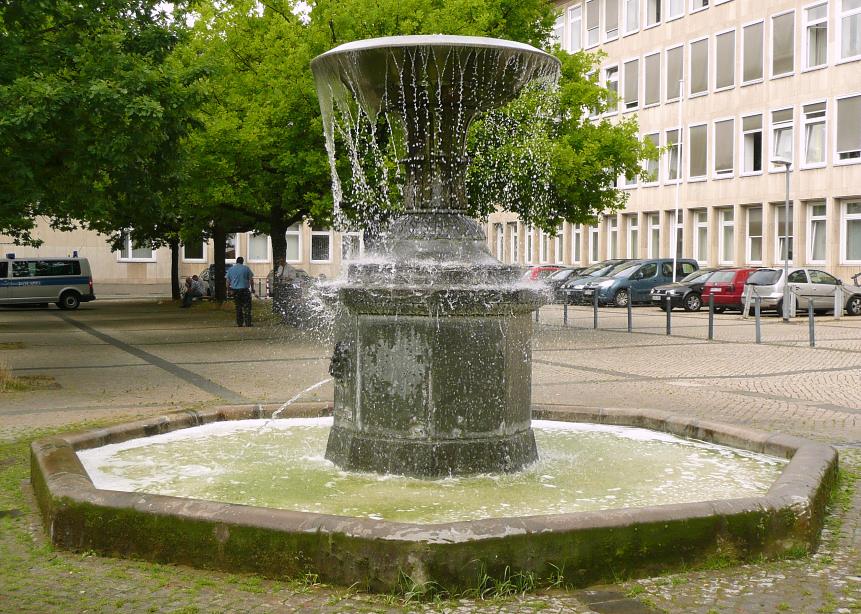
column 113, row 360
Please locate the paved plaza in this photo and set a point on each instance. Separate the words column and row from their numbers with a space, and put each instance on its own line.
column 113, row 360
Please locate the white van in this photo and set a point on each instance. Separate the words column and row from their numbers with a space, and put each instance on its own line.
column 67, row 282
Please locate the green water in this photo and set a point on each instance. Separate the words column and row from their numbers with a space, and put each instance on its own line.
column 280, row 464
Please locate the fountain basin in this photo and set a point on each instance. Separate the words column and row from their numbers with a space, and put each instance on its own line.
column 589, row 546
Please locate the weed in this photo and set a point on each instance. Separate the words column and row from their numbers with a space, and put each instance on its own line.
column 634, row 591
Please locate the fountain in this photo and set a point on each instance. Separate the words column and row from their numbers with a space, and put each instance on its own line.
column 433, row 472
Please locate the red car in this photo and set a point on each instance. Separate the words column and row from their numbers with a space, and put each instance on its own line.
column 727, row 287
column 541, row 272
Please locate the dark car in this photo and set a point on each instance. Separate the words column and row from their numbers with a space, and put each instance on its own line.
column 635, row 283
column 727, row 288
column 207, row 276
column 558, row 279
column 685, row 293
column 572, row 289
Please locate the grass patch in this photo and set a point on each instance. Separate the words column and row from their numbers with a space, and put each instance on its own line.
column 22, row 383
column 12, row 345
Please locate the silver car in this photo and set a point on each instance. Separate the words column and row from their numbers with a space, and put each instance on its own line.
column 67, row 282
column 808, row 285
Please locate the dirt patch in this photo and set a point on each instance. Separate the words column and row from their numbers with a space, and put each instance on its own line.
column 12, row 345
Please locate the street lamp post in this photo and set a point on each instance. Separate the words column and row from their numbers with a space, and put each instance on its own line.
column 786, row 296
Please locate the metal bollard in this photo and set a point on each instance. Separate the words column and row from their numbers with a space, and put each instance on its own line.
column 565, row 313
column 811, row 323
column 595, row 310
column 537, row 309
column 838, row 302
column 756, row 312
column 630, row 315
column 669, row 315
column 711, row 317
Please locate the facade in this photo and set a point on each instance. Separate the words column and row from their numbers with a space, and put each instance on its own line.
column 759, row 80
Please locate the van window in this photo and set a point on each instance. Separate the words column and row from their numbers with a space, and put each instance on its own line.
column 47, row 268
column 4, row 269
column 649, row 269
column 23, row 268
column 667, row 269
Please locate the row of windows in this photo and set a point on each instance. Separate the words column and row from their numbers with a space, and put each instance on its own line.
column 585, row 246
column 709, row 63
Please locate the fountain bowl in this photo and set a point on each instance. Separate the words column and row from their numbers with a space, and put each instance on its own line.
column 377, row 555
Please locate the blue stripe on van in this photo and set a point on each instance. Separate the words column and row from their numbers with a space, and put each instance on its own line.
column 62, row 280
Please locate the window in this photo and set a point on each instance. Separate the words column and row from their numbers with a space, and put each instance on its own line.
column 575, row 28
column 814, row 134
column 651, row 166
column 754, row 235
column 724, row 154
column 654, row 241
column 632, row 84
column 815, row 37
column 849, row 128
column 530, row 242
column 653, row 12
column 652, row 79
column 593, row 244
column 612, row 237
column 751, row 54
column 592, row 17
column 851, row 234
column 850, row 29
column 611, row 80
column 556, row 36
column 783, row 44
column 632, row 16
column 726, row 248
column 697, row 5
column 816, row 237
column 699, row 71
column 633, row 236
column 293, row 236
column 194, row 252
column 781, row 136
column 558, row 255
column 499, row 241
column 701, row 236
column 352, row 245
column 576, row 240
column 675, row 8
column 321, row 245
column 751, row 134
column 611, row 19
column 698, row 160
column 513, row 243
column 673, row 155
column 783, row 233
column 725, row 60
column 231, row 247
column 258, row 248
column 675, row 66
column 131, row 251
column 543, row 247
column 678, row 226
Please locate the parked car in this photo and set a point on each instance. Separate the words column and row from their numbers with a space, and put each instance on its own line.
column 809, row 285
column 727, row 288
column 543, row 271
column 685, row 293
column 635, row 283
column 558, row 278
column 207, row 275
column 572, row 289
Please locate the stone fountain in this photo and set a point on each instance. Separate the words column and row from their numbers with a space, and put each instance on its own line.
column 432, row 355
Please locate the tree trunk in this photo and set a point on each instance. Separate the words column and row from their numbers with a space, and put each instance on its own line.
column 174, row 269
column 219, row 240
column 277, row 230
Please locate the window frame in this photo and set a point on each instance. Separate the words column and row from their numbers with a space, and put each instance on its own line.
column 805, row 38
column 625, row 108
column 236, row 244
column 299, row 242
column 844, row 226
column 626, row 31
column 543, row 247
column 742, row 148
column 748, row 236
column 360, row 240
column 248, row 237
column 657, row 181
column 514, row 243
column 668, row 17
column 715, row 175
column 128, row 244
column 762, row 51
column 587, row 44
column 202, row 260
column 691, row 43
column 576, row 243
column 836, row 160
column 724, row 88
column 320, row 233
column 680, row 157
column 697, row 225
column 632, row 245
column 693, row 11
column 705, row 175
column 811, row 217
column 660, row 11
column 779, row 236
column 570, row 22
column 614, row 109
column 791, row 72
column 612, row 224
column 606, row 37
column 667, row 98
column 646, row 104
column 841, row 15
column 594, row 246
column 722, row 224
column 650, row 226
column 802, row 153
column 772, row 141
column 529, row 247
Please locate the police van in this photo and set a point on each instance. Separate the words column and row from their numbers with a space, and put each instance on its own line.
column 64, row 281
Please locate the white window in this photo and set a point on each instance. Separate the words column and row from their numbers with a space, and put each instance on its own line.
column 678, row 226
column 816, row 238
column 726, row 248
column 231, row 247
column 751, row 135
column 632, row 16
column 675, row 8
column 543, row 247
column 499, row 241
column 653, row 12
column 651, row 166
column 699, row 147
column 698, row 5
column 654, row 238
column 632, row 84
column 815, row 37
column 258, row 248
column 633, row 236
column 781, row 136
column 131, row 251
column 751, row 53
column 850, row 29
column 673, row 155
column 699, row 69
column 725, row 60
column 513, row 243
column 321, row 245
column 592, row 25
column 611, row 19
column 849, row 128
column 724, row 153
column 593, row 244
column 783, row 44
column 194, row 252
column 611, row 81
column 814, row 134
column 850, row 237
column 576, row 242
column 556, row 36
column 754, row 235
column 783, row 234
column 612, row 237
column 352, row 246
column 675, row 68
column 701, row 236
column 558, row 254
column 293, row 237
column 652, row 79
column 530, row 243
column 575, row 28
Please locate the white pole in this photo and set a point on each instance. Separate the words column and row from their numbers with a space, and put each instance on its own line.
column 674, row 240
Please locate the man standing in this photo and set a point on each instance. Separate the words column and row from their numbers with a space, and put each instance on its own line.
column 239, row 278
